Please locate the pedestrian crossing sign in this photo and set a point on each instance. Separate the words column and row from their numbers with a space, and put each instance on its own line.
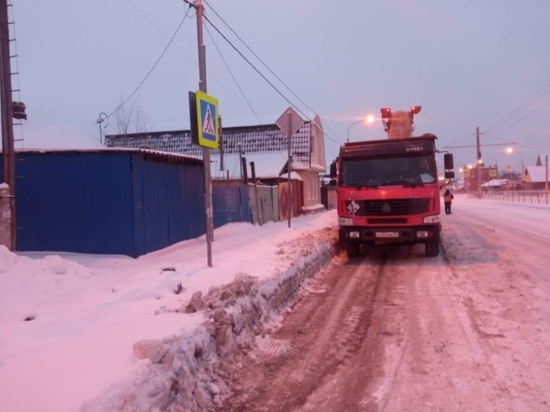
column 204, row 120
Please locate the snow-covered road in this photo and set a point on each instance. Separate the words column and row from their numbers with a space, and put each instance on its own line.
column 394, row 331
column 269, row 328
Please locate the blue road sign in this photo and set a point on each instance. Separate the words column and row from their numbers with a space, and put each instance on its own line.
column 207, row 120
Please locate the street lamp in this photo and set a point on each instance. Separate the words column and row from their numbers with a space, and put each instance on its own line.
column 368, row 119
column 510, row 150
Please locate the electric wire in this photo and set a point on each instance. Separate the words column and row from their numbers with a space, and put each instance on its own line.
column 540, row 94
column 252, row 65
column 267, row 67
column 257, row 71
column 255, row 55
column 236, row 82
column 152, row 68
column 143, row 15
column 233, row 76
column 517, row 109
column 177, row 46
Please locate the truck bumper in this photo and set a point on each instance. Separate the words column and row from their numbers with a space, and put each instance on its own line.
column 388, row 235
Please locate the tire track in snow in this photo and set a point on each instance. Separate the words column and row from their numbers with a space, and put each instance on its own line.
column 324, row 330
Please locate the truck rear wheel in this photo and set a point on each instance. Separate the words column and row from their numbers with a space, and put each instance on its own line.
column 352, row 250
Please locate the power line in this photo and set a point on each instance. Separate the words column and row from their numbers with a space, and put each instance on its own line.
column 175, row 44
column 236, row 82
column 255, row 55
column 473, row 145
column 545, row 90
column 152, row 68
column 231, row 73
column 541, row 93
column 143, row 15
column 254, row 67
column 266, row 66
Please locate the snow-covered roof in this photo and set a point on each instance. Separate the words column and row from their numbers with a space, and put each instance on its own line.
column 265, row 138
column 266, row 165
column 495, row 183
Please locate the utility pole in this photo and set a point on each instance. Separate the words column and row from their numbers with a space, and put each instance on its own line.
column 546, row 181
column 478, row 164
column 289, row 162
column 205, row 150
column 8, row 154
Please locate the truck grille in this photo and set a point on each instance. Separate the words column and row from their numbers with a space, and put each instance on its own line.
column 388, row 207
column 387, row 221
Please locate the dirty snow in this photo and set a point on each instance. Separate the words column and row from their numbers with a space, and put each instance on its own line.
column 101, row 333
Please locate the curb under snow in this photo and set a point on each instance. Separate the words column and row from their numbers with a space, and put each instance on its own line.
column 189, row 372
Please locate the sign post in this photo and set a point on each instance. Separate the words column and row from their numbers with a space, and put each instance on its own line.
column 289, row 123
column 203, row 111
column 204, row 127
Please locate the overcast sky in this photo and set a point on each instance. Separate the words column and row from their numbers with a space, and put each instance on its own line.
column 468, row 63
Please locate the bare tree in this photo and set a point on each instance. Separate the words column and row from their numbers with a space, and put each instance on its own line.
column 140, row 124
column 129, row 118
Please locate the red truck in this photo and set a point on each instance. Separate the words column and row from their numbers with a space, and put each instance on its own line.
column 388, row 191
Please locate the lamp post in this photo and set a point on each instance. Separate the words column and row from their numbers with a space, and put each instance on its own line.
column 509, row 150
column 522, row 169
column 368, row 119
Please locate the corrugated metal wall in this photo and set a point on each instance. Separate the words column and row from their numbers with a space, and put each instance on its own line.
column 168, row 203
column 76, row 202
column 106, row 203
column 231, row 204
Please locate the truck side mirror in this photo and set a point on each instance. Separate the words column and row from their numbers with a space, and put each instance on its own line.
column 449, row 166
column 333, row 170
column 448, row 160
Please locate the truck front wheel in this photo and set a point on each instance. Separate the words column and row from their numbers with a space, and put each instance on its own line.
column 432, row 246
column 352, row 249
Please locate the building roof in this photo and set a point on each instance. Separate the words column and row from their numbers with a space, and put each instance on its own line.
column 246, row 140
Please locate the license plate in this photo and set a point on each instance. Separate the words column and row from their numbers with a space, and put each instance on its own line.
column 387, row 234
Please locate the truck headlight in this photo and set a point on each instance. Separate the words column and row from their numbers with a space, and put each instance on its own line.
column 432, row 219
column 345, row 221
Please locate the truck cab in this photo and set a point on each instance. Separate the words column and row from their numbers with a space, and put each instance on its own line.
column 388, row 192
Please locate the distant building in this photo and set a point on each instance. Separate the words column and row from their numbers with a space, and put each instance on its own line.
column 535, row 178
column 470, row 177
column 495, row 184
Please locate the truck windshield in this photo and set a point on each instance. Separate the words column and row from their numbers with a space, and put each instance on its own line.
column 371, row 172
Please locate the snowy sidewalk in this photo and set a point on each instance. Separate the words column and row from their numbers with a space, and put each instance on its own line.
column 97, row 333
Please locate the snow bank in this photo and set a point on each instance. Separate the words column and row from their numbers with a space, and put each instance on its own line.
column 188, row 372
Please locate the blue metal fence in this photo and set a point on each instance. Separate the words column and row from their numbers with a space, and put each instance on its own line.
column 106, row 202
column 73, row 203
column 116, row 202
column 231, row 204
